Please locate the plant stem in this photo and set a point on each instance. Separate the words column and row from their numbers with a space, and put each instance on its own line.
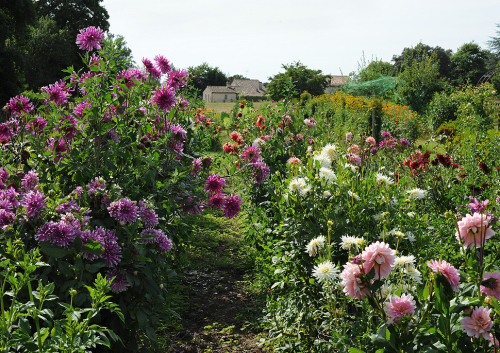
column 37, row 322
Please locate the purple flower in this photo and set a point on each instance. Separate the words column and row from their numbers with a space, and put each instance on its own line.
column 299, row 137
column 232, row 206
column 148, row 215
column 124, row 210
column 164, row 97
column 90, row 38
column 33, row 202
column 215, row 184
column 69, row 126
column 56, row 94
column 6, row 132
column 156, row 236
column 177, row 78
column 85, row 236
column 112, row 135
column 386, row 134
column 177, row 147
column 162, row 64
column 216, row 201
column 251, row 154
column 5, row 205
column 30, row 180
column 58, row 148
column 36, row 127
column 68, row 207
column 60, row 234
column 196, row 167
column 476, row 206
column 147, row 63
column 71, row 220
column 177, row 131
column 10, row 195
column 206, row 162
column 4, row 175
column 6, row 217
column 260, row 171
column 79, row 192
column 120, row 283
column 20, row 104
column 112, row 251
column 81, row 107
column 404, row 142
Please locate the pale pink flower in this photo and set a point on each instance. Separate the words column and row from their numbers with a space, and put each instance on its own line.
column 353, row 286
column 380, row 256
column 494, row 291
column 353, row 158
column 479, row 323
column 473, row 230
column 349, row 136
column 398, row 307
column 294, row 160
column 353, row 149
column 446, row 270
column 371, row 141
column 494, row 343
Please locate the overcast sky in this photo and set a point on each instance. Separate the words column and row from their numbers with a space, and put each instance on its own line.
column 255, row 37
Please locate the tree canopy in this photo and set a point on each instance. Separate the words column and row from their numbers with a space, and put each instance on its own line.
column 468, row 64
column 204, row 75
column 303, row 79
column 418, row 52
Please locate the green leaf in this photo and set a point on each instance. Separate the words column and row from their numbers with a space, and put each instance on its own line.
column 96, row 266
column 53, row 250
column 93, row 247
column 355, row 350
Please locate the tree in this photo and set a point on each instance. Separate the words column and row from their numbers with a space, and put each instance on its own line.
column 418, row 81
column 72, row 16
column 240, row 77
column 469, row 64
column 125, row 52
column 15, row 18
column 494, row 42
column 204, row 75
column 46, row 54
column 303, row 79
column 494, row 58
column 410, row 54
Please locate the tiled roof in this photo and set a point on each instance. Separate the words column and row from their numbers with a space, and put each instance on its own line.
column 219, row 89
column 336, row 81
column 248, row 87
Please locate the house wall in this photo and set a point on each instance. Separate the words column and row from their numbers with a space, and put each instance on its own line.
column 223, row 97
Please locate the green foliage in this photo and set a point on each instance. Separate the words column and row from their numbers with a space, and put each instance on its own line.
column 468, row 64
column 46, row 56
column 418, row 81
column 303, row 79
column 418, row 53
column 125, row 53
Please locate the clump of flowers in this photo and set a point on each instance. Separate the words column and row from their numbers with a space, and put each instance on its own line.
column 124, row 210
column 446, row 270
column 474, row 230
column 492, row 288
column 397, row 308
column 479, row 323
column 352, row 281
column 380, row 257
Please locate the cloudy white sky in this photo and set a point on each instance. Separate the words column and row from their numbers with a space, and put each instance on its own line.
column 255, row 37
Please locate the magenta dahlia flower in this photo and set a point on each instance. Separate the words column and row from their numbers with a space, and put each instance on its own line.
column 148, row 215
column 58, row 148
column 34, row 201
column 112, row 251
column 446, row 270
column 250, row 154
column 493, row 289
column 479, row 323
column 162, row 64
column 164, row 98
column 353, row 285
column 473, row 230
column 196, row 167
column 10, row 194
column 20, row 104
column 56, row 94
column 85, row 236
column 90, row 38
column 124, row 210
column 216, row 201
column 398, row 307
column 36, row 127
column 232, row 206
column 60, row 234
column 81, row 107
column 379, row 256
column 6, row 217
column 215, row 184
column 30, row 180
column 177, row 78
column 6, row 132
column 156, row 236
column 120, row 282
column 260, row 171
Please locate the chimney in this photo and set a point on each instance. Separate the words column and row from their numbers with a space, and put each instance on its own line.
column 229, row 81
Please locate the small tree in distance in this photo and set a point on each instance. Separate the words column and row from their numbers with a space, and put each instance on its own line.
column 304, row 79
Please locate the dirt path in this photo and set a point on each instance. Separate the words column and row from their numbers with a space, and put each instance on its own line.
column 219, row 312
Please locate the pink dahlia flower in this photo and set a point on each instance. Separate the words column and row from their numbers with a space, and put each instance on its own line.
column 90, row 38
column 494, row 291
column 353, row 149
column 294, row 160
column 479, row 323
column 349, row 137
column 353, row 158
column 162, row 64
column 164, row 97
column 380, row 256
column 398, row 307
column 473, row 230
column 446, row 270
column 371, row 141
column 352, row 282
column 215, row 184
column 20, row 104
column 250, row 154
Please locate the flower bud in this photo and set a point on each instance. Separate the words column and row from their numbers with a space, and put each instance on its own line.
column 161, row 285
column 487, row 300
column 72, row 292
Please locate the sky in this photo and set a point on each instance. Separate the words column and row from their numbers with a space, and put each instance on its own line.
column 255, row 38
